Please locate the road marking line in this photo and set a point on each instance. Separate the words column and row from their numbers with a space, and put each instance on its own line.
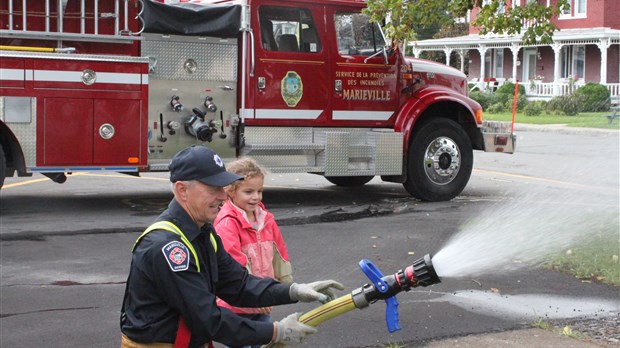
column 6, row 186
column 34, row 181
column 521, row 176
column 127, row 176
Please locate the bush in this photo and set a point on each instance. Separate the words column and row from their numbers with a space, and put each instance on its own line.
column 496, row 108
column 521, row 102
column 505, row 96
column 509, row 88
column 534, row 108
column 565, row 105
column 501, row 100
column 553, row 106
column 481, row 97
column 595, row 97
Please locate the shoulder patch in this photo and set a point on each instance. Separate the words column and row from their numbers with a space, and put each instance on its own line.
column 177, row 255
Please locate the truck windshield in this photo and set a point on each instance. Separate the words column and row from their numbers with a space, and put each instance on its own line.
column 357, row 35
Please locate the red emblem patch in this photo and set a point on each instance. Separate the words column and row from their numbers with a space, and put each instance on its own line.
column 177, row 256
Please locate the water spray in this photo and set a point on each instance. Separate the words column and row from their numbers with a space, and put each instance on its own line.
column 420, row 273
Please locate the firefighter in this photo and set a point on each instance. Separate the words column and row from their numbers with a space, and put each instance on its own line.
column 179, row 266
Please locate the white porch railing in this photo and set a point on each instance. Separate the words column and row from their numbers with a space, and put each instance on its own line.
column 545, row 90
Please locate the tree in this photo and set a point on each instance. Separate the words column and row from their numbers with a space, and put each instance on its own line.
column 494, row 16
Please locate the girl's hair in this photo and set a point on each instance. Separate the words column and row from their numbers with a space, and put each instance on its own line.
column 246, row 167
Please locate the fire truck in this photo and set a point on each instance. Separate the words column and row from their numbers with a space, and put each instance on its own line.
column 302, row 86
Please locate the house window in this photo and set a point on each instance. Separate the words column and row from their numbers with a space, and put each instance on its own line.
column 573, row 61
column 576, row 8
column 579, row 61
column 518, row 3
column 501, row 6
column 499, row 63
column 566, row 11
column 288, row 29
column 565, row 62
column 494, row 62
column 487, row 64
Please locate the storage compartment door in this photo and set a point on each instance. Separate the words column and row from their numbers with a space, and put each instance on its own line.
column 67, row 132
column 117, row 132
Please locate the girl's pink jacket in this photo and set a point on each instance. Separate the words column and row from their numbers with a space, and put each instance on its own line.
column 260, row 248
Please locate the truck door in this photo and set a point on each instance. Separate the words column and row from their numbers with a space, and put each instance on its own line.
column 291, row 72
column 363, row 81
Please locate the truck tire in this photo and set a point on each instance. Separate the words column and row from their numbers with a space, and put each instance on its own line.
column 349, row 181
column 439, row 161
column 2, row 166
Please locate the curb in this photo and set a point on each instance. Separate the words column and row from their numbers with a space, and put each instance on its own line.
column 563, row 129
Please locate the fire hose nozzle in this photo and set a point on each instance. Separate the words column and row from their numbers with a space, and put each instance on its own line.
column 424, row 272
column 421, row 273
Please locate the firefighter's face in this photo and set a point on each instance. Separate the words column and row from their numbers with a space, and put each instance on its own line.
column 202, row 202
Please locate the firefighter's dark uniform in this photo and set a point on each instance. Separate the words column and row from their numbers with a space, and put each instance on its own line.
column 160, row 290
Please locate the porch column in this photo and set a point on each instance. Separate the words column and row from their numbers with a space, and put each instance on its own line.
column 416, row 52
column 603, row 45
column 514, row 48
column 557, row 68
column 462, row 55
column 482, row 49
column 447, row 51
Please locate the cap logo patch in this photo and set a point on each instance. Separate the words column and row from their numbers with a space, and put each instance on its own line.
column 218, row 160
column 177, row 255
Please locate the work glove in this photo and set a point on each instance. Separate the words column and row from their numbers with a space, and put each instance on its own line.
column 322, row 291
column 290, row 331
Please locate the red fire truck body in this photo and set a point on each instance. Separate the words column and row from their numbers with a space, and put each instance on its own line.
column 302, row 86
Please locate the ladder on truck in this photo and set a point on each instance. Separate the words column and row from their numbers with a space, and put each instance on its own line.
column 71, row 20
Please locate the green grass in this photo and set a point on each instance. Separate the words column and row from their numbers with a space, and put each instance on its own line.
column 566, row 331
column 541, row 324
column 584, row 119
column 595, row 260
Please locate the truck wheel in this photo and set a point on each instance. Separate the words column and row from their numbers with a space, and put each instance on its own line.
column 2, row 167
column 348, row 181
column 439, row 162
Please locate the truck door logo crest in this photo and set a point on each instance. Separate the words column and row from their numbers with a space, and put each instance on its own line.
column 292, row 89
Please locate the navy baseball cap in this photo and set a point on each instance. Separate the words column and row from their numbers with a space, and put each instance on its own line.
column 202, row 164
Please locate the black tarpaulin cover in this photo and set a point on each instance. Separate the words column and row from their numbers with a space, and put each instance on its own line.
column 191, row 19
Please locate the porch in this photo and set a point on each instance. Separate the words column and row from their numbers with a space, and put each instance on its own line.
column 574, row 58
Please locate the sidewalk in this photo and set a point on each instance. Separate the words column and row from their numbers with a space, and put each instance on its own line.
column 527, row 338
column 563, row 129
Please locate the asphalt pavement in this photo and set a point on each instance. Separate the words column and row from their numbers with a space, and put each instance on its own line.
column 527, row 338
column 533, row 337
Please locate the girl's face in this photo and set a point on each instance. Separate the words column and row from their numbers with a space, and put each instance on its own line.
column 248, row 194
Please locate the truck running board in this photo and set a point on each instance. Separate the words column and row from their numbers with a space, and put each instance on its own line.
column 326, row 151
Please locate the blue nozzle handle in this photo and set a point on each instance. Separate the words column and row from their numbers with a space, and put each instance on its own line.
column 376, row 277
column 391, row 314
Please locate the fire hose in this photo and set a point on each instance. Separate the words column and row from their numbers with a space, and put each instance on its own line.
column 420, row 273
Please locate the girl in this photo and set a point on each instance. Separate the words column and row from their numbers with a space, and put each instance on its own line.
column 249, row 232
